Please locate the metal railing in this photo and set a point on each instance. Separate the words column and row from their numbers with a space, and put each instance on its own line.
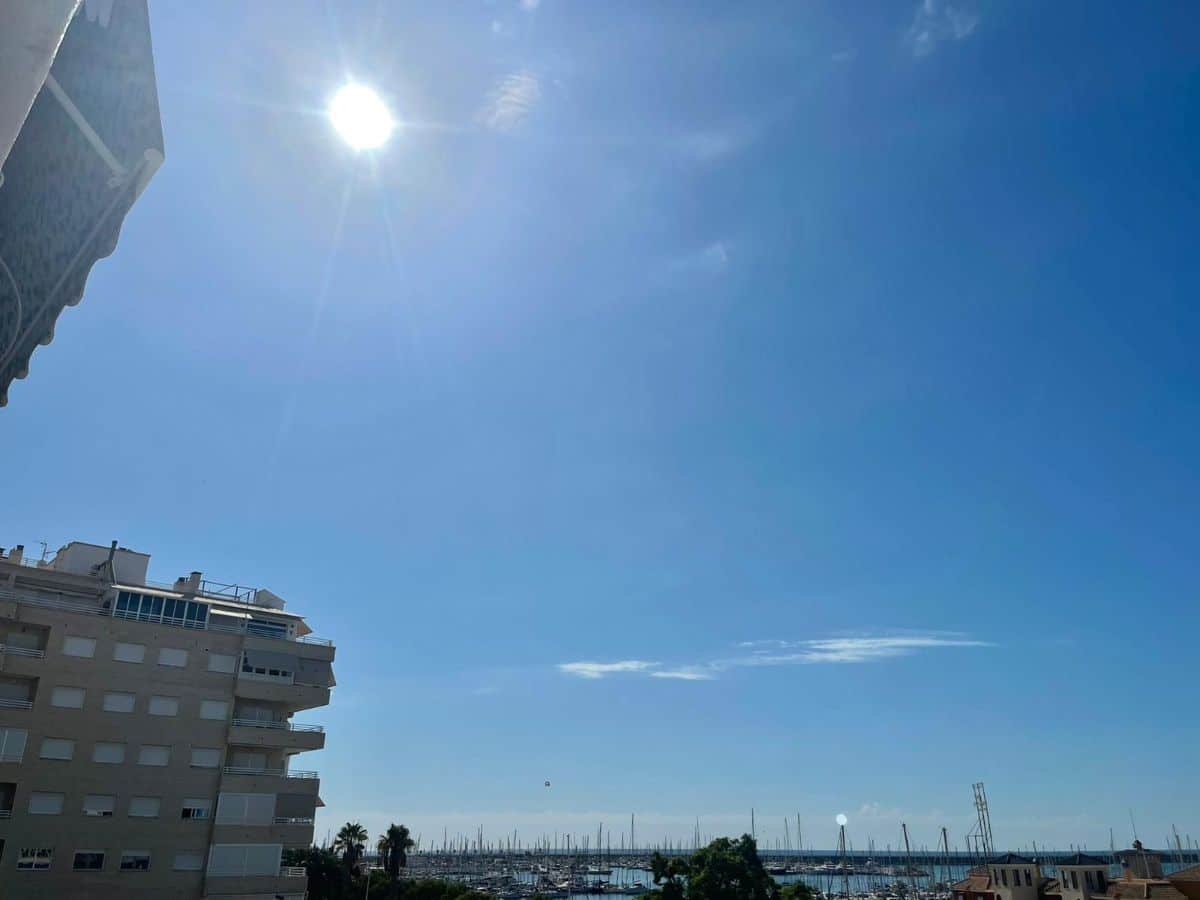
column 293, row 872
column 5, row 813
column 278, row 773
column 292, row 820
column 8, row 703
column 11, row 757
column 87, row 609
column 283, row 726
column 22, row 651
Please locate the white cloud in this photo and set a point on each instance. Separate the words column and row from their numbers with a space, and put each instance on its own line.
column 941, row 20
column 686, row 673
column 778, row 652
column 600, row 670
column 530, row 5
column 847, row 649
column 511, row 101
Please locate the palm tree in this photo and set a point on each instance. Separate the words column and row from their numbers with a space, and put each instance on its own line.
column 399, row 843
column 383, row 847
column 350, row 840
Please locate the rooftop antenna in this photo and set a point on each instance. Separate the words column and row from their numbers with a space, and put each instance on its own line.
column 45, row 550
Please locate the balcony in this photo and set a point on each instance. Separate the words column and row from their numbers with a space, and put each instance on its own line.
column 248, row 780
column 22, row 651
column 288, row 832
column 10, row 703
column 276, row 735
column 287, row 691
column 290, row 880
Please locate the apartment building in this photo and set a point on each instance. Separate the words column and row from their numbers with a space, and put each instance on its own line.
column 146, row 732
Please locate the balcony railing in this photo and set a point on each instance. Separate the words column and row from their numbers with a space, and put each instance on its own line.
column 11, row 757
column 87, row 609
column 278, row 773
column 292, row 820
column 282, row 726
column 8, row 703
column 293, row 872
column 22, row 651
column 5, row 813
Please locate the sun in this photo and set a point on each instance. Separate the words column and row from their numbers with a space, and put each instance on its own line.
column 360, row 117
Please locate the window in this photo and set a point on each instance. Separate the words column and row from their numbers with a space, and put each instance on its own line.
column 219, row 662
column 79, row 646
column 244, row 859
column 245, row 809
column 135, row 861
column 192, row 861
column 36, row 858
column 206, row 757
column 214, row 709
column 57, row 748
column 107, row 752
column 88, row 861
column 168, row 656
column 115, row 701
column 12, row 744
column 1028, row 879
column 1087, row 878
column 1004, row 877
column 144, row 807
column 167, row 610
column 163, row 706
column 1074, row 881
column 44, row 804
column 99, row 805
column 67, row 697
column 1100, row 880
column 196, row 808
column 153, row 755
column 130, row 653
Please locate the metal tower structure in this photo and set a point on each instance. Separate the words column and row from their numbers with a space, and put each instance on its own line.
column 982, row 834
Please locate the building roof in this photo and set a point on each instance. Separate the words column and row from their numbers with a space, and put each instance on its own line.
column 1011, row 859
column 1144, row 889
column 1081, row 859
column 978, row 881
column 87, row 148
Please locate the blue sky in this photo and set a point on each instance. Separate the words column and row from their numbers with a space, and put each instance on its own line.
column 838, row 362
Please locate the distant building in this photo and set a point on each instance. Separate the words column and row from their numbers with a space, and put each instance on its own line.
column 146, row 732
column 80, row 138
column 1079, row 877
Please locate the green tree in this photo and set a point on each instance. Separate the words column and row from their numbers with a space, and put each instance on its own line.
column 350, row 841
column 797, row 890
column 724, row 870
column 670, row 872
column 399, row 841
column 327, row 878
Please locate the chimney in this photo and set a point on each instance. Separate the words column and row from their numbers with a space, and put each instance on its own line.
column 15, row 554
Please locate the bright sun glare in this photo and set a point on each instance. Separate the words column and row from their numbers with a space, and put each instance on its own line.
column 360, row 117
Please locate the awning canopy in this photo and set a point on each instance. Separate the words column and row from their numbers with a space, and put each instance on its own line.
column 84, row 153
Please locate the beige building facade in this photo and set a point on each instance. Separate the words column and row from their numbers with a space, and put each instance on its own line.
column 147, row 734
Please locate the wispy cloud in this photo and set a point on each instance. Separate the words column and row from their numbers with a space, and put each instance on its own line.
column 530, row 5
column 941, row 20
column 779, row 652
column 686, row 673
column 849, row 649
column 595, row 670
column 511, row 101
